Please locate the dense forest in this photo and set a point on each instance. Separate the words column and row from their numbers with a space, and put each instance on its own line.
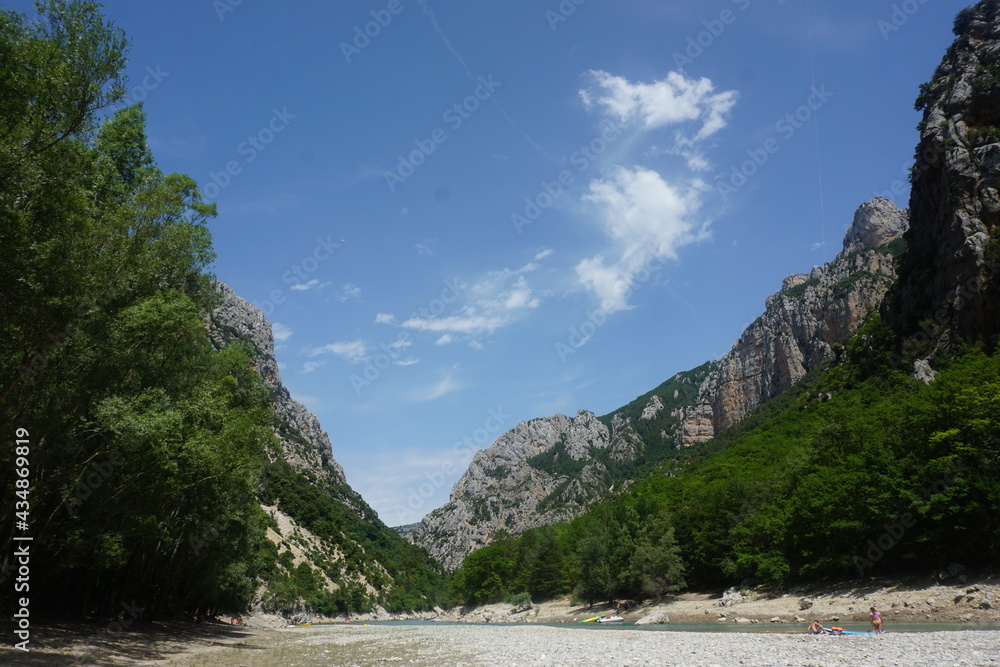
column 142, row 452
column 861, row 470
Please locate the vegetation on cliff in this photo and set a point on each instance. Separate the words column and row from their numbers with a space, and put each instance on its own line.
column 861, row 470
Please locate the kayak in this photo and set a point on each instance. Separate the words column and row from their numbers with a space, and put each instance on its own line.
column 610, row 619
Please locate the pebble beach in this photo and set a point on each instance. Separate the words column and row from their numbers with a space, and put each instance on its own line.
column 454, row 645
column 543, row 645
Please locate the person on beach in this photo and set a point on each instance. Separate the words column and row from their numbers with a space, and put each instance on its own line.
column 876, row 618
column 816, row 629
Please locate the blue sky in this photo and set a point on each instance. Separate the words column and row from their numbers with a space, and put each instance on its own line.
column 461, row 215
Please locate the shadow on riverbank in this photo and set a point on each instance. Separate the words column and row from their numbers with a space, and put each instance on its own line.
column 55, row 643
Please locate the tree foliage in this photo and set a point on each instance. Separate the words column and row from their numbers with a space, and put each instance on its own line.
column 147, row 446
column 859, row 470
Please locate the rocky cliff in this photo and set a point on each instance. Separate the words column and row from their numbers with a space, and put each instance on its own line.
column 552, row 469
column 949, row 286
column 333, row 553
column 507, row 487
column 305, row 444
column 799, row 325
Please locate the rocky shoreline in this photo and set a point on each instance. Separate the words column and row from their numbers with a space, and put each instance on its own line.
column 956, row 599
column 489, row 639
column 943, row 598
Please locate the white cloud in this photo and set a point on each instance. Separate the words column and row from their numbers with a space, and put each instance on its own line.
column 543, row 254
column 400, row 344
column 468, row 322
column 348, row 292
column 670, row 101
column 311, row 366
column 353, row 351
column 648, row 219
column 358, row 351
column 493, row 302
column 443, row 387
column 520, row 296
column 312, row 284
column 281, row 332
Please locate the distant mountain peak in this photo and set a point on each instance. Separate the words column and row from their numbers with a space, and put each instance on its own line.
column 877, row 222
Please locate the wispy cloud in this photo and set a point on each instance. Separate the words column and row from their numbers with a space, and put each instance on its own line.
column 349, row 292
column 446, row 385
column 354, row 351
column 281, row 332
column 357, row 352
column 493, row 302
column 312, row 366
column 468, row 321
column 313, row 284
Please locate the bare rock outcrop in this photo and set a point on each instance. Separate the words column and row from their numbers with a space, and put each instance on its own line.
column 540, row 472
column 949, row 285
column 799, row 326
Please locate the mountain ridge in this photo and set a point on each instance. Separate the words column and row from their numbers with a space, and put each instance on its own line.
column 551, row 469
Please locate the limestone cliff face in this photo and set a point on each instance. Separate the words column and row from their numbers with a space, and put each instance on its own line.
column 509, row 486
column 306, row 447
column 552, row 469
column 549, row 470
column 305, row 444
column 799, row 325
column 949, row 284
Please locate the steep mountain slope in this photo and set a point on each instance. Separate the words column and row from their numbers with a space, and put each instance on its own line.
column 306, row 446
column 333, row 552
column 950, row 284
column 800, row 325
column 552, row 469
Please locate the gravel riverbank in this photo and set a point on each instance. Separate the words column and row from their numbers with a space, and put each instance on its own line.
column 454, row 645
column 542, row 645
